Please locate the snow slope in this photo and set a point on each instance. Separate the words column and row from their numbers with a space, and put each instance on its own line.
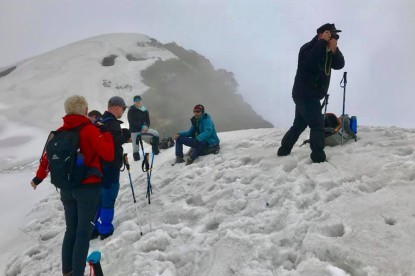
column 247, row 212
column 45, row 81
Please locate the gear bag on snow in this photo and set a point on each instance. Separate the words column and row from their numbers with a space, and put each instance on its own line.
column 166, row 143
column 66, row 164
column 339, row 130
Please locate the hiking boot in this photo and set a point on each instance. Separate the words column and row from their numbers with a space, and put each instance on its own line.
column 189, row 161
column 136, row 156
column 104, row 236
column 283, row 152
column 179, row 160
column 318, row 157
column 94, row 234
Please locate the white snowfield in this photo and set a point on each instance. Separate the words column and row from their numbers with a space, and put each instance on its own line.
column 246, row 211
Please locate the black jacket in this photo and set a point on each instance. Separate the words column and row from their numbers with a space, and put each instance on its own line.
column 137, row 119
column 114, row 127
column 314, row 69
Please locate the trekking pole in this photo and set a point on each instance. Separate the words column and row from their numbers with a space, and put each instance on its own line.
column 343, row 84
column 145, row 163
column 145, row 166
column 94, row 261
column 127, row 165
column 325, row 103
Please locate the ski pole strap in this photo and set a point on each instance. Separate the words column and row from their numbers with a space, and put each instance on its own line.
column 145, row 166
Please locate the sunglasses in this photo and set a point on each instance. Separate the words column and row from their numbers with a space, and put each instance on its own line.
column 197, row 111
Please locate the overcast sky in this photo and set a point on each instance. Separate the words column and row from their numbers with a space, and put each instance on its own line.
column 257, row 40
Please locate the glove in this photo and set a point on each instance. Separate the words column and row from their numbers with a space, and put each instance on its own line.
column 126, row 133
column 102, row 127
column 144, row 129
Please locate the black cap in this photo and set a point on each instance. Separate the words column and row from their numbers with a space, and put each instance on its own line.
column 328, row 27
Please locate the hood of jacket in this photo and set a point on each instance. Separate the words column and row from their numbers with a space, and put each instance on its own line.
column 72, row 121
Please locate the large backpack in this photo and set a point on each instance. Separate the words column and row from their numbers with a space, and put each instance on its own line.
column 65, row 161
column 339, row 130
column 166, row 143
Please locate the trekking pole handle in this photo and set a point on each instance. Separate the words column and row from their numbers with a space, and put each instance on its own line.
column 125, row 156
column 345, row 77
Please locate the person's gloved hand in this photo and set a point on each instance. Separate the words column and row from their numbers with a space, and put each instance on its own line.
column 102, row 127
column 144, row 129
column 126, row 133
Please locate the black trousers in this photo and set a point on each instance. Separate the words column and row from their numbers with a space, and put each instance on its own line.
column 80, row 205
column 307, row 113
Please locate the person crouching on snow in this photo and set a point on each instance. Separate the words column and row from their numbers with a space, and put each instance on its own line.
column 200, row 136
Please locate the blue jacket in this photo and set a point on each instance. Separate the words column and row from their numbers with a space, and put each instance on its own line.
column 203, row 130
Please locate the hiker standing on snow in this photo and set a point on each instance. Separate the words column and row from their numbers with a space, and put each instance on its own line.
column 80, row 203
column 94, row 115
column 139, row 120
column 201, row 135
column 315, row 61
column 111, row 170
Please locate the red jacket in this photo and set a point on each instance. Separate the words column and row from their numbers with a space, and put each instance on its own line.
column 94, row 145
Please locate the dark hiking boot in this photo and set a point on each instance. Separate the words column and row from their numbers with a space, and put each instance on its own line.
column 318, row 157
column 94, row 234
column 104, row 236
column 283, row 151
column 179, row 160
column 136, row 156
column 189, row 161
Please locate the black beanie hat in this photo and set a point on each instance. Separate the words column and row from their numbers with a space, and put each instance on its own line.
column 199, row 107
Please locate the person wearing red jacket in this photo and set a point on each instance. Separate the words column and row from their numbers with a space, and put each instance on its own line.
column 80, row 203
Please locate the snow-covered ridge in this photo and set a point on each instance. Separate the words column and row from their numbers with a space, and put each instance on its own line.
column 247, row 212
column 46, row 80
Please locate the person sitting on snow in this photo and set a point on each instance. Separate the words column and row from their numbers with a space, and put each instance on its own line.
column 201, row 136
column 139, row 120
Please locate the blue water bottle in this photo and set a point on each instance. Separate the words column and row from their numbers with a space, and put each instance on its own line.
column 80, row 159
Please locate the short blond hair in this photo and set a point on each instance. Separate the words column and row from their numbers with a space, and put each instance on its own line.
column 76, row 105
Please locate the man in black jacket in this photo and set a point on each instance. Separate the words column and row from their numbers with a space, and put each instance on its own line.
column 315, row 61
column 111, row 170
